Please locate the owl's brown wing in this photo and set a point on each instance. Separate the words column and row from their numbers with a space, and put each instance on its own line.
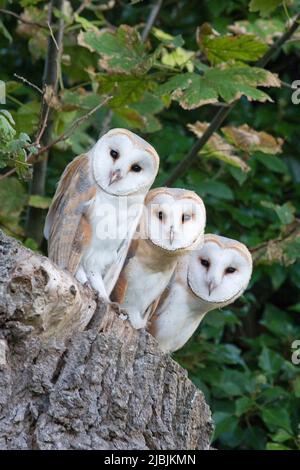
column 119, row 291
column 67, row 227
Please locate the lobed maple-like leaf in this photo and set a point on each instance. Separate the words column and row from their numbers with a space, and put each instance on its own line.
column 121, row 51
column 238, row 48
column 193, row 90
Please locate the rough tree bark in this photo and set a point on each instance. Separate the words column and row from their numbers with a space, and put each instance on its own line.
column 75, row 375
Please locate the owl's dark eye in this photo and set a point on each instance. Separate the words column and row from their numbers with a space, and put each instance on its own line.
column 136, row 168
column 204, row 262
column 160, row 215
column 185, row 217
column 114, row 154
column 230, row 270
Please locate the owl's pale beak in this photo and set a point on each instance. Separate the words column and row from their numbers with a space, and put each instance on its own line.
column 114, row 176
column 171, row 236
column 211, row 286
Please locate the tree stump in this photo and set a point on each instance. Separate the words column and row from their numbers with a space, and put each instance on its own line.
column 75, row 375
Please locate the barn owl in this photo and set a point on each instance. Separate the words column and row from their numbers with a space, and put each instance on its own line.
column 205, row 279
column 173, row 222
column 97, row 206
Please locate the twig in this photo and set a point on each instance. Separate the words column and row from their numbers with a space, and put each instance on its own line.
column 32, row 85
column 52, row 35
column 42, row 124
column 8, row 173
column 222, row 114
column 151, row 19
column 32, row 23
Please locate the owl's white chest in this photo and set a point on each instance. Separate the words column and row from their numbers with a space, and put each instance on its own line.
column 113, row 222
column 145, row 285
column 178, row 318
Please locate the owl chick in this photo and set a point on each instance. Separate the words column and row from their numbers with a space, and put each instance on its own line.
column 173, row 222
column 205, row 279
column 97, row 206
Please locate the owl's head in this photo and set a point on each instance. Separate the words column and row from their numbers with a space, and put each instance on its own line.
column 219, row 271
column 124, row 163
column 174, row 219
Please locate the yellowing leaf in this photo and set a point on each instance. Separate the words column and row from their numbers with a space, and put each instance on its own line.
column 121, row 51
column 217, row 147
column 168, row 39
column 178, row 58
column 250, row 140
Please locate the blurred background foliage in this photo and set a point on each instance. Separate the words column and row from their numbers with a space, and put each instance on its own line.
column 167, row 86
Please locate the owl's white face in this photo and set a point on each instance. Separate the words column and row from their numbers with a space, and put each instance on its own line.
column 174, row 220
column 123, row 163
column 220, row 270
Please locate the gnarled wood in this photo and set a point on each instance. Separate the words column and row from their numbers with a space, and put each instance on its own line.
column 75, row 375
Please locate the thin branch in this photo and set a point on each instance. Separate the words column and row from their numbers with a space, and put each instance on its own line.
column 8, row 173
column 32, row 23
column 42, row 124
column 52, row 35
column 151, row 19
column 32, row 85
column 222, row 114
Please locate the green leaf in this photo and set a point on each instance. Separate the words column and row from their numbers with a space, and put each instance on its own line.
column 7, row 131
column 126, row 89
column 216, row 189
column 278, row 322
column 285, row 212
column 272, row 163
column 275, row 446
column 192, row 90
column 224, row 422
column 266, row 30
column 121, row 51
column 276, row 417
column 39, row 202
column 244, row 48
column 270, row 362
column 282, row 436
column 243, row 405
column 264, row 7
column 296, row 387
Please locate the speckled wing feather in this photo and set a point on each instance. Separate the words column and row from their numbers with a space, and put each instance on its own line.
column 67, row 227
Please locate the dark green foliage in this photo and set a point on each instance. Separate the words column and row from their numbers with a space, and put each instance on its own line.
column 168, row 89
